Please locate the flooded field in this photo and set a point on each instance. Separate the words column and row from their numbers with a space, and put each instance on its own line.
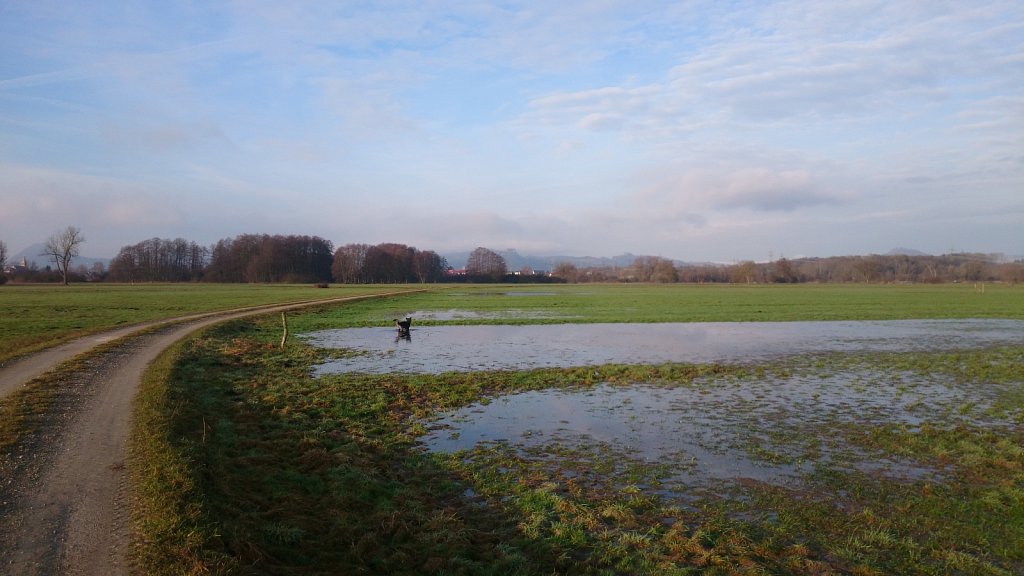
column 492, row 441
column 764, row 429
column 712, row 434
column 436, row 349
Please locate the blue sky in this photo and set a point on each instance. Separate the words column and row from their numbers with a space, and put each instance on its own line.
column 696, row 130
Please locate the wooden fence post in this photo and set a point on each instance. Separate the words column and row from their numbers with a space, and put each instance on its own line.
column 284, row 336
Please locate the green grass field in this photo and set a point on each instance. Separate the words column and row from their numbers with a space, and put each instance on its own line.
column 243, row 463
column 33, row 317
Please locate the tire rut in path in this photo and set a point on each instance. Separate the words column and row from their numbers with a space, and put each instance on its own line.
column 64, row 511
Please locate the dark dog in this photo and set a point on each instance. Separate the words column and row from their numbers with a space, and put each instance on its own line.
column 403, row 325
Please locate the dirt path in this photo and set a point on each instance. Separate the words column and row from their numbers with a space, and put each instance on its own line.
column 17, row 372
column 62, row 503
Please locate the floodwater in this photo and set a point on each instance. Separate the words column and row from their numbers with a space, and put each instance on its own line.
column 644, row 422
column 436, row 349
column 709, row 432
column 765, row 429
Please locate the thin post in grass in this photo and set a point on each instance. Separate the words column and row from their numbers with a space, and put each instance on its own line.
column 284, row 335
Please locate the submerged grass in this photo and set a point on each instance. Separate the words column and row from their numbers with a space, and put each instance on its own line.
column 245, row 464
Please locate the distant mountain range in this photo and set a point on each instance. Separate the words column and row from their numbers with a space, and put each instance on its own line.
column 33, row 254
column 906, row 252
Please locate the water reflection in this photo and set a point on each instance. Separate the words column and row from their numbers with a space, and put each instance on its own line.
column 641, row 421
column 765, row 429
column 520, row 347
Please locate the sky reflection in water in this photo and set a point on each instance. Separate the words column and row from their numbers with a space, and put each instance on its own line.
column 435, row 349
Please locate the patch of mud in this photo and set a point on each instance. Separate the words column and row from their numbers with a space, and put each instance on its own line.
column 436, row 349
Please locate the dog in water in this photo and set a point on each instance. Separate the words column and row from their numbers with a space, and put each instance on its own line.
column 403, row 325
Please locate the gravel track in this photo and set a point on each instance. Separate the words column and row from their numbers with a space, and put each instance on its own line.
column 63, row 493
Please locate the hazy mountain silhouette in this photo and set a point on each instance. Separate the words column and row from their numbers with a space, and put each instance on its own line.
column 33, row 254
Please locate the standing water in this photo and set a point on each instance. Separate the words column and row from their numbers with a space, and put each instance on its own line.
column 760, row 429
column 436, row 349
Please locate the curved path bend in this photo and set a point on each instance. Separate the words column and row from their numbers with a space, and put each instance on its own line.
column 63, row 506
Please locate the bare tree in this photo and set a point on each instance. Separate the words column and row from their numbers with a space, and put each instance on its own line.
column 783, row 272
column 348, row 263
column 744, row 272
column 566, row 271
column 62, row 246
column 486, row 265
column 428, row 266
column 664, row 271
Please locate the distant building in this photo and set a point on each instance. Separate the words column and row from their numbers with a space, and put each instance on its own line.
column 17, row 268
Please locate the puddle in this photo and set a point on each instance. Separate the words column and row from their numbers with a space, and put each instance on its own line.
column 639, row 421
column 714, row 431
column 435, row 349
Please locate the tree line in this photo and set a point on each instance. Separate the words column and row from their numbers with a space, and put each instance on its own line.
column 159, row 260
column 961, row 267
column 256, row 258
column 264, row 258
column 270, row 259
column 387, row 263
column 253, row 258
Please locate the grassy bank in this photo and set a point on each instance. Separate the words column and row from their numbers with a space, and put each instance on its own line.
column 33, row 317
column 244, row 464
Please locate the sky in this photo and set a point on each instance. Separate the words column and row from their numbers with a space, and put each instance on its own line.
column 695, row 130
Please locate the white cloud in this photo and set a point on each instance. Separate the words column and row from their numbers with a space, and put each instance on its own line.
column 762, row 189
column 601, row 122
